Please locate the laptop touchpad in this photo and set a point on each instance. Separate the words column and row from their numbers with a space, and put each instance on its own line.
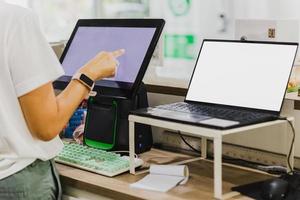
column 219, row 122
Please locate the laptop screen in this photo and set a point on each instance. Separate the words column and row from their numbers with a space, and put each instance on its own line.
column 243, row 74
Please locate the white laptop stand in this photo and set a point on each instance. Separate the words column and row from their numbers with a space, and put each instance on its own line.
column 204, row 133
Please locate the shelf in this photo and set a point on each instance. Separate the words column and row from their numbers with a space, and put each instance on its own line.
column 292, row 96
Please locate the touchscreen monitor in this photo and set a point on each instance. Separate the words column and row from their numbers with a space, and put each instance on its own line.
column 137, row 37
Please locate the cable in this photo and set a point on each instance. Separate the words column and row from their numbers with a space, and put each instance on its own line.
column 188, row 144
column 292, row 143
column 269, row 169
column 224, row 157
column 135, row 155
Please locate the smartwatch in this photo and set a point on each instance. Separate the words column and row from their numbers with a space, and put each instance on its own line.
column 85, row 80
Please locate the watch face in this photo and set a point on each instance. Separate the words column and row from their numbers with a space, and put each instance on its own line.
column 87, row 80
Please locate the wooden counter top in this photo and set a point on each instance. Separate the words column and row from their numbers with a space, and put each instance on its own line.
column 199, row 186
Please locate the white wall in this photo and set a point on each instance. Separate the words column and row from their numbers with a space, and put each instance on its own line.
column 271, row 139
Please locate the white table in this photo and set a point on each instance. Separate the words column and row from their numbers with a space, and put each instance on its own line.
column 204, row 134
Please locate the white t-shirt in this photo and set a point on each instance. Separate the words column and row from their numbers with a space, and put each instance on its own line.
column 26, row 63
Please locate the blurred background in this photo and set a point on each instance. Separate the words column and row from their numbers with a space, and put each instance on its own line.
column 188, row 23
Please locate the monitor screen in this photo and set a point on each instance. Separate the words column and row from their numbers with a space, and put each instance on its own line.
column 89, row 41
column 243, row 74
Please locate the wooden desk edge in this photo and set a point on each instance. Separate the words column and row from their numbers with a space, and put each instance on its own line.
column 108, row 187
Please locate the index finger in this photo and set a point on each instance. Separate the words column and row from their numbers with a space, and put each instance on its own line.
column 118, row 53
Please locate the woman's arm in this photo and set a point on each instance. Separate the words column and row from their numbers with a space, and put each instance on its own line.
column 47, row 114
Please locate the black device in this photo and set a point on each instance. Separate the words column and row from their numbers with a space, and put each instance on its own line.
column 107, row 123
column 275, row 189
column 107, row 117
column 285, row 187
column 234, row 83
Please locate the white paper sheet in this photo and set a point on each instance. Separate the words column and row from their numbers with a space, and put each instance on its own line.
column 163, row 177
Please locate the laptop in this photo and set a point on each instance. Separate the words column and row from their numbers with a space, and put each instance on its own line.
column 234, row 83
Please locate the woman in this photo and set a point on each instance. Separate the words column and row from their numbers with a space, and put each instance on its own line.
column 31, row 116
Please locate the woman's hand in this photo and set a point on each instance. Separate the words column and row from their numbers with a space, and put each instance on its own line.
column 103, row 65
column 46, row 114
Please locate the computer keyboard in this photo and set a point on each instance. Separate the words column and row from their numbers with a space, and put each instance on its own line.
column 215, row 111
column 94, row 160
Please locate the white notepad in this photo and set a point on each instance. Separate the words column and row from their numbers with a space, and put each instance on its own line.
column 163, row 177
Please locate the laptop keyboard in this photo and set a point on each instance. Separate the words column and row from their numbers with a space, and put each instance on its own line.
column 215, row 111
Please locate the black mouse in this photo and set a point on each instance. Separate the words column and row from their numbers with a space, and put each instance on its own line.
column 275, row 189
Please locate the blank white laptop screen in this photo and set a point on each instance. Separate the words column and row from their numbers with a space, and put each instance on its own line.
column 251, row 75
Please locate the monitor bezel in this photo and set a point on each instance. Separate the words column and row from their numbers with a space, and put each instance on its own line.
column 243, row 41
column 131, row 88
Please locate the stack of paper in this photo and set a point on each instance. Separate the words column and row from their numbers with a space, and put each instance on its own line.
column 163, row 177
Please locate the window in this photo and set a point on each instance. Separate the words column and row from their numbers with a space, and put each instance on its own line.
column 57, row 17
column 123, row 8
column 188, row 22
